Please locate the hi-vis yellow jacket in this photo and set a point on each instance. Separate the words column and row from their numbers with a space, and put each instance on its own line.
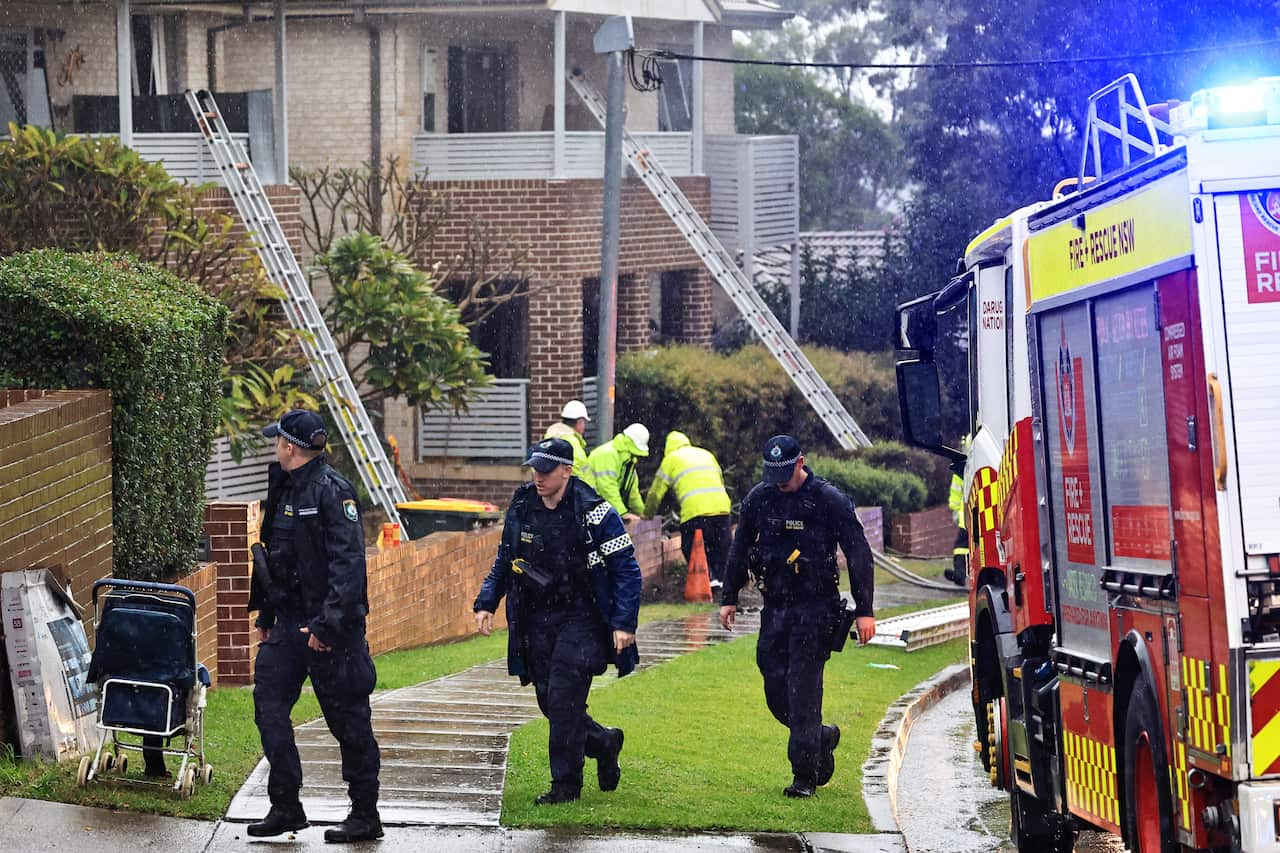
column 577, row 442
column 611, row 471
column 694, row 475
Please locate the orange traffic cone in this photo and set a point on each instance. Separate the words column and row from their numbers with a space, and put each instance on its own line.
column 697, row 586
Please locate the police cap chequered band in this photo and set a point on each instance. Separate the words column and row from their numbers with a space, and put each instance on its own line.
column 559, row 460
column 784, row 463
column 311, row 444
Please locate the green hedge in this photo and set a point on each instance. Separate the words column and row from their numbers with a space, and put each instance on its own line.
column 896, row 491
column 156, row 342
column 933, row 469
column 731, row 404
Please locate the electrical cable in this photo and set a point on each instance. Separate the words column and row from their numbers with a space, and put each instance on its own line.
column 994, row 63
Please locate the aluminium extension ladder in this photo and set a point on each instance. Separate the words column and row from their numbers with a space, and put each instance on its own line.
column 300, row 305
column 731, row 279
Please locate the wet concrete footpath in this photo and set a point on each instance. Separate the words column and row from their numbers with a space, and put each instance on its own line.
column 444, row 742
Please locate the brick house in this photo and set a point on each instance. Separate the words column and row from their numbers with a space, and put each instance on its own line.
column 474, row 92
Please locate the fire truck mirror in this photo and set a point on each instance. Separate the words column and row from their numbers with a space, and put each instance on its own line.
column 917, row 327
column 920, row 398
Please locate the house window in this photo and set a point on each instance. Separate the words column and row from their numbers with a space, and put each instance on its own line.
column 675, row 98
column 430, row 74
column 504, row 335
column 24, row 84
column 481, row 87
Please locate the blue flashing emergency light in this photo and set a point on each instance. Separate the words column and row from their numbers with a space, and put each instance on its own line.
column 1245, row 105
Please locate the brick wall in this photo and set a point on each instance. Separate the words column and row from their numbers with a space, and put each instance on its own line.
column 558, row 223
column 929, row 533
column 55, row 495
column 231, row 526
column 55, row 484
column 286, row 199
column 203, row 582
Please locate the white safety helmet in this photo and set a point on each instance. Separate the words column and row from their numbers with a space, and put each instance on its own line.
column 639, row 435
column 573, row 410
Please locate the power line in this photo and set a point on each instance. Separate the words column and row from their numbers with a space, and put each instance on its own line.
column 994, row 63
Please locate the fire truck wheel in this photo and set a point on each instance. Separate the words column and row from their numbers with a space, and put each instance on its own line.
column 1148, row 816
column 1034, row 828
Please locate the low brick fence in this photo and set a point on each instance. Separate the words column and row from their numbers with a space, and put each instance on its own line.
column 928, row 533
column 420, row 592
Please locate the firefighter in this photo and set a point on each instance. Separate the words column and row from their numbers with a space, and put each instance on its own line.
column 568, row 570
column 787, row 536
column 611, row 471
column 311, row 601
column 959, row 571
column 573, row 429
column 694, row 475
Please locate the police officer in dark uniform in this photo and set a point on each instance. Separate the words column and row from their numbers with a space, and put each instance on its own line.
column 309, row 591
column 568, row 570
column 787, row 536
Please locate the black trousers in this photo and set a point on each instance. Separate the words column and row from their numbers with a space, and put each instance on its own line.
column 791, row 652
column 567, row 648
column 716, row 538
column 343, row 680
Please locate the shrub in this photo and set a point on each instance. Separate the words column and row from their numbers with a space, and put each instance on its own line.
column 731, row 404
column 896, row 491
column 156, row 342
column 933, row 469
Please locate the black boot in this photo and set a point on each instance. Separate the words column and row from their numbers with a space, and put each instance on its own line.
column 827, row 765
column 800, row 788
column 280, row 819
column 556, row 796
column 362, row 824
column 608, row 773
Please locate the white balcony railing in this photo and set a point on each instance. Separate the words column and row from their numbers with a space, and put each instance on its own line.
column 246, row 480
column 185, row 155
column 495, row 425
column 755, row 180
column 482, row 156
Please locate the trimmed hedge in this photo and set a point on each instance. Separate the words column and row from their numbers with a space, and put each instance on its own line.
column 731, row 404
column 933, row 469
column 156, row 342
column 896, row 491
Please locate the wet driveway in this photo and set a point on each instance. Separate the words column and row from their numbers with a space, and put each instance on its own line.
column 945, row 802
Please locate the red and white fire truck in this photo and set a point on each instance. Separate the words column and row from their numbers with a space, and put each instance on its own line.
column 1122, row 478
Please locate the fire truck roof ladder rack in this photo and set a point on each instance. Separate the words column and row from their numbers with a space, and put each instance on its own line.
column 1126, row 96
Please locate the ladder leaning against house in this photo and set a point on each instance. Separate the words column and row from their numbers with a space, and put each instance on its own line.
column 300, row 306
column 731, row 279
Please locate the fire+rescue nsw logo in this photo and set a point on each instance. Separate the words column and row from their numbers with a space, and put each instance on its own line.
column 1266, row 206
column 1066, row 392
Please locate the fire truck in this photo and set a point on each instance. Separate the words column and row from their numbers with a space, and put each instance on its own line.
column 1122, row 477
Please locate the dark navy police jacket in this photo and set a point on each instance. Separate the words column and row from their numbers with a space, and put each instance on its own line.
column 611, row 564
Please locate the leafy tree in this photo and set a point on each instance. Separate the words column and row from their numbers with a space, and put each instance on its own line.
column 849, row 170
column 394, row 331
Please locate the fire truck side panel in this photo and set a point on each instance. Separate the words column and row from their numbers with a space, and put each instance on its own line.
column 1019, row 535
column 1088, row 745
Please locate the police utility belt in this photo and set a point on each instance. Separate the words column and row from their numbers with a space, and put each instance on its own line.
column 796, row 578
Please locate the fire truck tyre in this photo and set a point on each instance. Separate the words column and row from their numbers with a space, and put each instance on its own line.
column 1148, row 817
column 1034, row 828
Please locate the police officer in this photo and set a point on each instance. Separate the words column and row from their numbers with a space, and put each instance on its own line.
column 787, row 535
column 568, row 570
column 309, row 591
column 694, row 476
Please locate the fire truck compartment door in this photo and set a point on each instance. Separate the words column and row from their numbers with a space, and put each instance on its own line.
column 1249, row 243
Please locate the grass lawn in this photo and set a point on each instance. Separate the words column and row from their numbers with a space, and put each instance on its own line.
column 702, row 751
column 231, row 739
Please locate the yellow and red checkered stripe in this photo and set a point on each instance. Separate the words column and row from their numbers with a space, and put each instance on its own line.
column 1264, row 707
column 1008, row 470
column 1091, row 777
column 983, row 503
column 1178, row 782
column 1208, row 706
